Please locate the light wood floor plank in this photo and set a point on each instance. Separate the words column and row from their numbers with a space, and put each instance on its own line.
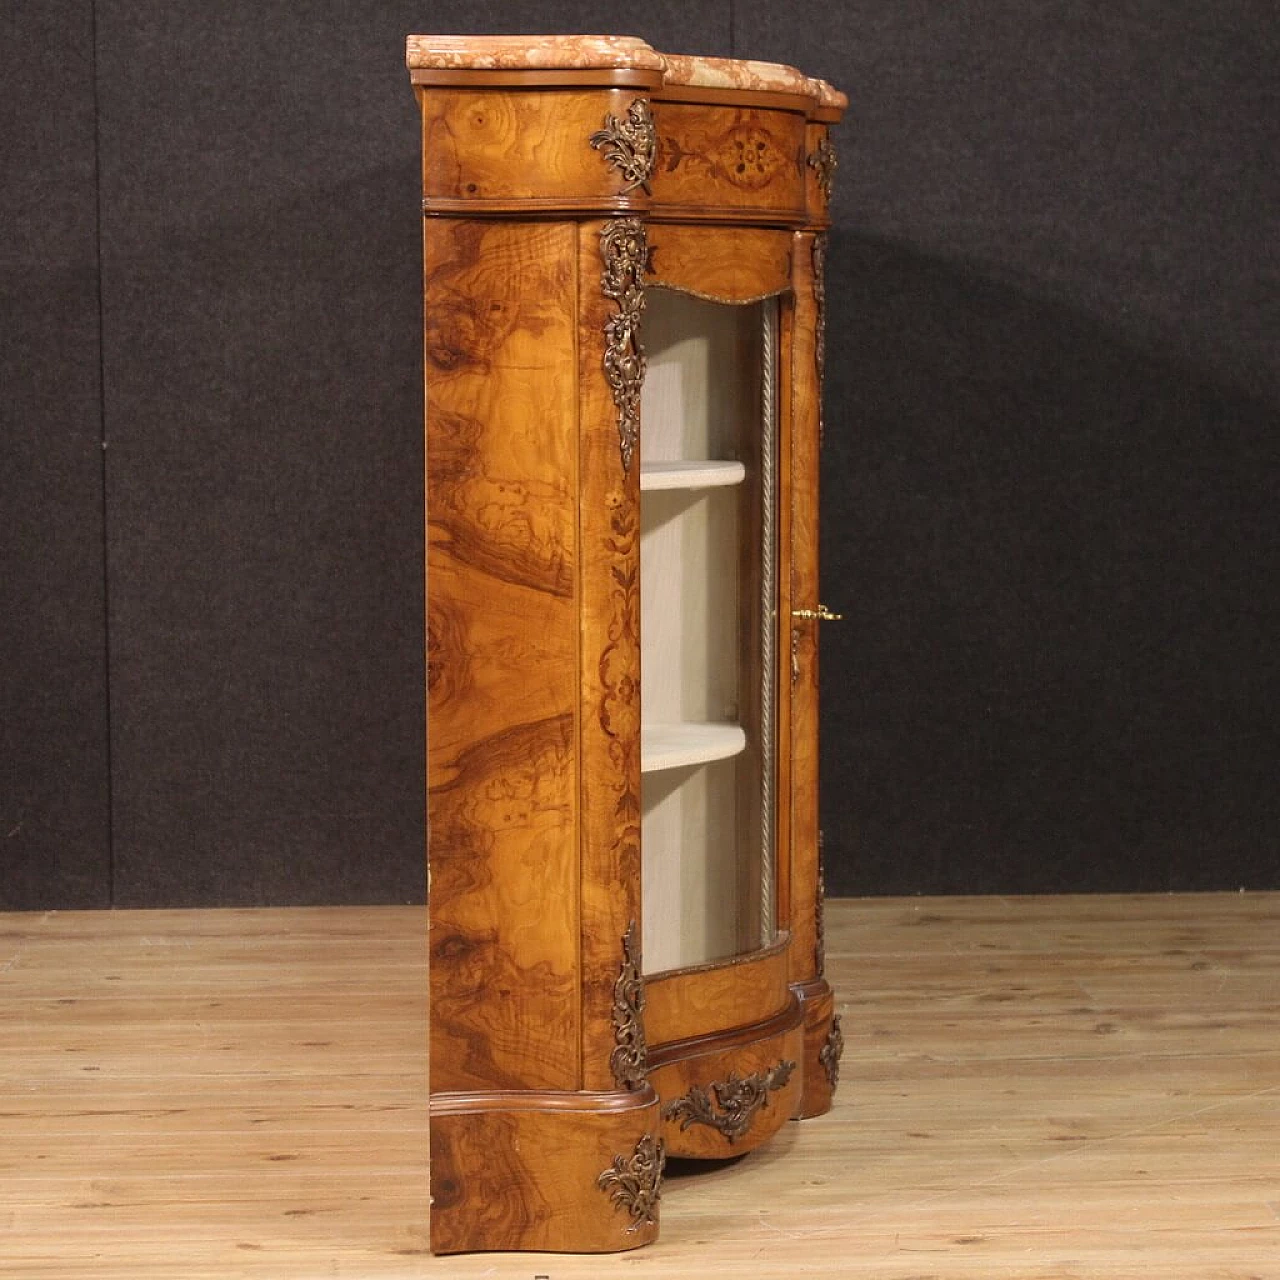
column 1033, row 1089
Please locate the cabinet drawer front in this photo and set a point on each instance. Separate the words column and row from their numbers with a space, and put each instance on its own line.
column 727, row 164
column 719, row 1102
column 526, row 153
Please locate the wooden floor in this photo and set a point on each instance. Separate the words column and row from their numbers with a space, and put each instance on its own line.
column 1039, row 1088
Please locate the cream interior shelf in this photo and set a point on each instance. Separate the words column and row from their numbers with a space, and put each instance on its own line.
column 701, row 474
column 677, row 746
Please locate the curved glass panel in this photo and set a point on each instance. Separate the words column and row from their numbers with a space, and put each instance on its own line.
column 708, row 582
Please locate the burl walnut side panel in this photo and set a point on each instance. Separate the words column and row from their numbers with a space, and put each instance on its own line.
column 502, row 640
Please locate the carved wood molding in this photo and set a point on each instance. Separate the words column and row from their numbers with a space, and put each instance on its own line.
column 624, row 249
column 729, row 1106
column 830, row 1054
column 824, row 163
column 634, row 1182
column 630, row 145
column 629, row 1062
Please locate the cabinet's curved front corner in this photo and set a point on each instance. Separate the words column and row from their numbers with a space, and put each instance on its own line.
column 823, row 1047
column 550, row 1172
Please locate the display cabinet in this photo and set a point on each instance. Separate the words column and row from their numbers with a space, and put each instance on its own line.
column 623, row 350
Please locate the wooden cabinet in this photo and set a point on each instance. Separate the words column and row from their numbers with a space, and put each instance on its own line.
column 623, row 340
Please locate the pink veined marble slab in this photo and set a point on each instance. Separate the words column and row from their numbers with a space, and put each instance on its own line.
column 529, row 53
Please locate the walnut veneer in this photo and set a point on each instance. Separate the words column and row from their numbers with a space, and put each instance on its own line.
column 562, row 180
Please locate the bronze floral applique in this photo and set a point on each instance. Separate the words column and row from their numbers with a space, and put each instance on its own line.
column 630, row 145
column 824, row 164
column 634, row 1182
column 624, row 249
column 629, row 1060
column 830, row 1054
column 729, row 1106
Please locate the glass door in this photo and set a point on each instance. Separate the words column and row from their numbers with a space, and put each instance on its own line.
column 708, row 628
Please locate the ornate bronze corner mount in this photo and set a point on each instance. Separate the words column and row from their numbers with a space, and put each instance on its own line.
column 830, row 1054
column 629, row 1062
column 820, row 319
column 729, row 1106
column 624, row 249
column 630, row 145
column 824, row 163
column 820, row 303
column 635, row 1183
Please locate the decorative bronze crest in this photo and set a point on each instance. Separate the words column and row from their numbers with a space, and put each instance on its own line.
column 729, row 1106
column 629, row 145
column 624, row 248
column 830, row 1054
column 635, row 1184
column 629, row 1061
column 824, row 163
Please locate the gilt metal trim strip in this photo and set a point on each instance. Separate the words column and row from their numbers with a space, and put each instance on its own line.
column 629, row 1062
column 623, row 247
column 729, row 1106
column 634, row 1182
column 768, row 612
column 630, row 145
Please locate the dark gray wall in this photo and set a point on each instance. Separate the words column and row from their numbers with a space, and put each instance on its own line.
column 1049, row 479
column 1051, row 488
column 54, row 776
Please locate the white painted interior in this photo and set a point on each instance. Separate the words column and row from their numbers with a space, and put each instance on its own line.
column 676, row 746
column 690, row 475
column 700, row 394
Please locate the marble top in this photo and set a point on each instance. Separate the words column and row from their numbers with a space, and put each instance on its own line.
column 584, row 53
column 529, row 53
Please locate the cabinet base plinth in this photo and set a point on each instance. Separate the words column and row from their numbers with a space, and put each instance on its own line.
column 823, row 1046
column 554, row 1172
